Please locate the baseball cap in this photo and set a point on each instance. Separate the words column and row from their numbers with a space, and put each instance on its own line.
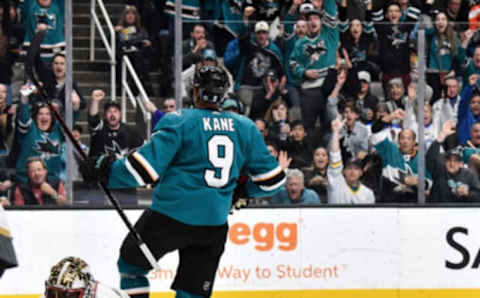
column 110, row 104
column 306, row 7
column 209, row 54
column 454, row 152
column 262, row 26
column 364, row 76
column 230, row 103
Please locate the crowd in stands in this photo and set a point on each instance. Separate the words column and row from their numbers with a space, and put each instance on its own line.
column 331, row 85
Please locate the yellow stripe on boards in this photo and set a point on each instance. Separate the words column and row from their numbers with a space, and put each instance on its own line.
column 387, row 293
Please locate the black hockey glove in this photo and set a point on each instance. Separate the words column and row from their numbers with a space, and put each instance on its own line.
column 97, row 169
column 239, row 199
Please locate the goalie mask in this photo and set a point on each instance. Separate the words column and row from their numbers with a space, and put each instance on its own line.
column 212, row 84
column 69, row 278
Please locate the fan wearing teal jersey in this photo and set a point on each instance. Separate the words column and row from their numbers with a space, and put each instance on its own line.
column 195, row 158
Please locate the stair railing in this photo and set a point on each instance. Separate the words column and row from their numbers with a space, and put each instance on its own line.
column 110, row 47
column 127, row 69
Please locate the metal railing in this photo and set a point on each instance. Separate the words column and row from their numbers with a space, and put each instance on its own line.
column 127, row 68
column 110, row 47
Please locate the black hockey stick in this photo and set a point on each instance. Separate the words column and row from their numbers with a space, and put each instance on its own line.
column 29, row 69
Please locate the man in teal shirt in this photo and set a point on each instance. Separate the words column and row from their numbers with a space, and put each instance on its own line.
column 294, row 192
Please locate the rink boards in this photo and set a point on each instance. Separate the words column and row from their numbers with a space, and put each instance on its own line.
column 301, row 253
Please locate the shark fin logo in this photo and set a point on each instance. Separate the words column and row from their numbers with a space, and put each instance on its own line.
column 47, row 148
column 115, row 149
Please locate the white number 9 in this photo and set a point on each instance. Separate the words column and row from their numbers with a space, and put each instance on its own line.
column 224, row 162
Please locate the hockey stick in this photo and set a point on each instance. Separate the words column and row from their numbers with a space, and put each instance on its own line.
column 32, row 52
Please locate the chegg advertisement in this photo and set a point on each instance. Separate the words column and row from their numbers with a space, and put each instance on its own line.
column 275, row 253
column 258, row 245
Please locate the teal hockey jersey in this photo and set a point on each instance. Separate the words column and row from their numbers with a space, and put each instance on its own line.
column 196, row 157
column 319, row 52
column 54, row 17
column 34, row 142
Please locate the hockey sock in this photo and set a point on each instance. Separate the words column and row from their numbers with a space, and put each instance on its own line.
column 133, row 279
column 184, row 294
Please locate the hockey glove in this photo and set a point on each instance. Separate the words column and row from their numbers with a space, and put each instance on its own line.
column 97, row 169
column 239, row 199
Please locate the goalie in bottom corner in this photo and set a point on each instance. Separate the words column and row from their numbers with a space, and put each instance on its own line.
column 71, row 278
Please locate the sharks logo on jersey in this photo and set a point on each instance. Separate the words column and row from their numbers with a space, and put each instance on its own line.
column 47, row 148
column 397, row 176
column 115, row 149
column 397, row 37
column 44, row 17
column 315, row 51
column 444, row 48
column 260, row 64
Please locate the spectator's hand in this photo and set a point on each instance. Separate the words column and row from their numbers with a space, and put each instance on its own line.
column 369, row 4
column 200, row 45
column 467, row 37
column 298, row 2
column 284, row 160
column 462, row 190
column 61, row 200
column 5, row 185
column 412, row 92
column 98, row 95
column 283, row 83
column 147, row 43
column 341, row 77
column 362, row 154
column 398, row 114
column 472, row 79
column 48, row 189
column 151, row 107
column 312, row 74
column 12, row 110
column 447, row 130
column 42, row 27
column 75, row 101
column 249, row 10
column 318, row 180
column 118, row 28
column 337, row 124
column 347, row 58
column 4, row 201
column 411, row 180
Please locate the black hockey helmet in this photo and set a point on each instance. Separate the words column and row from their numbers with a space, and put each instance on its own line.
column 212, row 83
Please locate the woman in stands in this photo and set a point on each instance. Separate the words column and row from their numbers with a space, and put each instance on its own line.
column 38, row 135
column 359, row 41
column 445, row 52
column 133, row 41
column 316, row 174
column 277, row 120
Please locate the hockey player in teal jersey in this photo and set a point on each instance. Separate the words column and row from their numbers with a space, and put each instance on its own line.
column 195, row 158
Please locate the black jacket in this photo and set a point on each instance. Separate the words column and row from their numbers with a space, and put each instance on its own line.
column 445, row 185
